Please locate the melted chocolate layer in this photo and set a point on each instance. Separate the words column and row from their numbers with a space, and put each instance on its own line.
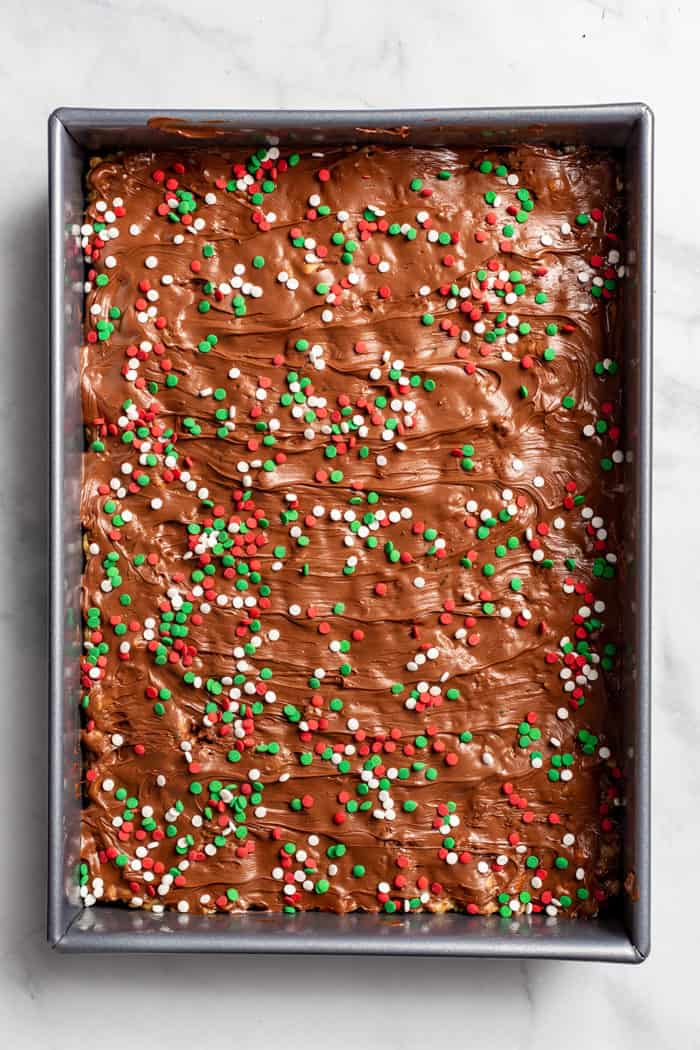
column 351, row 503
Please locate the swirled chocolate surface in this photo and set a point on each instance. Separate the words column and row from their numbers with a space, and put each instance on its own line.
column 352, row 502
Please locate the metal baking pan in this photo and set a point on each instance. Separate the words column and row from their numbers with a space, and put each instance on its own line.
column 622, row 935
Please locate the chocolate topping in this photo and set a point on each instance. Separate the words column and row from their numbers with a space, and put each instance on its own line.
column 351, row 510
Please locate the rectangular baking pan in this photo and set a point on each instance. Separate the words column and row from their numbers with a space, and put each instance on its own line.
column 622, row 935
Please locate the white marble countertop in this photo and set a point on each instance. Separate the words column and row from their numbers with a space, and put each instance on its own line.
column 360, row 54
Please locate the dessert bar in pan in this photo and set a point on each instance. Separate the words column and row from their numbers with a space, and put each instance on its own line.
column 409, row 356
